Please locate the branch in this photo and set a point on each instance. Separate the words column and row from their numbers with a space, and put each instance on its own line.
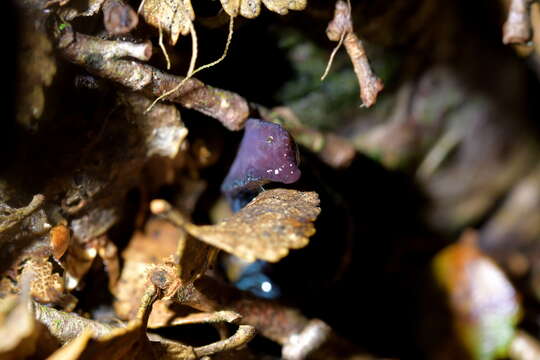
column 103, row 58
column 340, row 26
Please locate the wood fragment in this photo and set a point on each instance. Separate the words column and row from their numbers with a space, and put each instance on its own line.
column 341, row 29
column 314, row 334
column 517, row 27
column 119, row 18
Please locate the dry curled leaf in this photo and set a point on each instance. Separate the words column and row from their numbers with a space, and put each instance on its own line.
column 129, row 342
column 46, row 286
column 251, row 8
column 21, row 336
column 274, row 222
column 173, row 17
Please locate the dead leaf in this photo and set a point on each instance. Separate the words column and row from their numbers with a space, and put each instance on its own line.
column 59, row 240
column 146, row 249
column 74, row 348
column 174, row 17
column 65, row 326
column 21, row 335
column 128, row 342
column 484, row 303
column 18, row 335
column 274, row 222
column 251, row 8
column 46, row 286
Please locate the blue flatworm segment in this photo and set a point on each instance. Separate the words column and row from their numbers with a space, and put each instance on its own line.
column 267, row 153
column 255, row 280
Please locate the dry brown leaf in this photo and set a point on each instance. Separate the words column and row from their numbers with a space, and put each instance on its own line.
column 171, row 16
column 21, row 336
column 18, row 333
column 74, row 348
column 144, row 251
column 251, row 8
column 129, row 342
column 274, row 222
column 67, row 326
column 46, row 287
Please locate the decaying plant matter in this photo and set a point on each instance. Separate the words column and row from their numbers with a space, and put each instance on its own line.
column 406, row 226
column 271, row 224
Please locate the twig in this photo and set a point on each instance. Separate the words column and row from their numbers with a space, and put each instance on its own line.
column 311, row 338
column 280, row 323
column 341, row 27
column 78, row 46
column 208, row 318
column 150, row 296
column 229, row 108
column 192, row 72
column 243, row 335
column 370, row 84
column 438, row 153
column 10, row 217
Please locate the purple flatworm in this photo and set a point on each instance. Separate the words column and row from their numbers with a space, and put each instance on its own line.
column 267, row 153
